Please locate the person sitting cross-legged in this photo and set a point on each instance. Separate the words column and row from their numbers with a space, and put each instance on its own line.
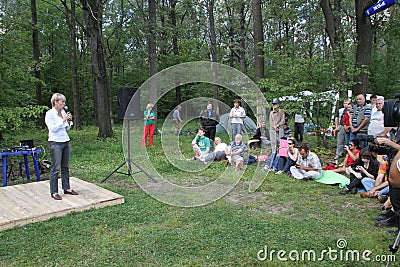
column 219, row 153
column 378, row 187
column 292, row 156
column 308, row 165
column 366, row 166
column 235, row 150
column 201, row 145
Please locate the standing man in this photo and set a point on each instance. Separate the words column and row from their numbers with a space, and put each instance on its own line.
column 176, row 116
column 298, row 127
column 307, row 165
column 376, row 125
column 237, row 115
column 276, row 121
column 209, row 120
column 359, row 117
column 372, row 102
column 340, row 129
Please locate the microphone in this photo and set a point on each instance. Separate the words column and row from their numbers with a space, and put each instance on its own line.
column 66, row 111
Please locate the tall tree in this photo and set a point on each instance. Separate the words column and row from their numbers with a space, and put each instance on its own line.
column 152, row 52
column 213, row 38
column 242, row 44
column 365, row 32
column 258, row 52
column 92, row 11
column 175, row 48
column 71, row 22
column 258, row 40
column 36, row 59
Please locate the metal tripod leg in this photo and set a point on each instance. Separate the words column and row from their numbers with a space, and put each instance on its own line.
column 393, row 248
column 116, row 170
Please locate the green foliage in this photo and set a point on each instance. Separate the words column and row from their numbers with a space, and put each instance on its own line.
column 13, row 119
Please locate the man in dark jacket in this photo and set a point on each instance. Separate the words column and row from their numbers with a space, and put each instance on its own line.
column 209, row 120
column 262, row 136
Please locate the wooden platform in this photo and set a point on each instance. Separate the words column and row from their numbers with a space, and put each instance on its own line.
column 27, row 203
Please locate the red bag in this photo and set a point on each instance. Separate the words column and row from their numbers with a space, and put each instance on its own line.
column 329, row 166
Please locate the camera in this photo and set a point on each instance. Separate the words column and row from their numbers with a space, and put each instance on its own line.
column 365, row 137
column 391, row 111
column 373, row 147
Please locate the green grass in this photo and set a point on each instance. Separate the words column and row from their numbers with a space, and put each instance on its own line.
column 283, row 214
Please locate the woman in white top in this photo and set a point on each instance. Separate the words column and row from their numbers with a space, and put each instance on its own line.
column 58, row 122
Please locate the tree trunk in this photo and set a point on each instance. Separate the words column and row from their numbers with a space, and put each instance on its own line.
column 365, row 32
column 258, row 40
column 92, row 10
column 242, row 53
column 213, row 38
column 74, row 67
column 153, row 52
column 175, row 48
column 36, row 58
column 258, row 53
column 336, row 39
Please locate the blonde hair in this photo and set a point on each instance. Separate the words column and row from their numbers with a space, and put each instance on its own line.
column 56, row 97
column 149, row 105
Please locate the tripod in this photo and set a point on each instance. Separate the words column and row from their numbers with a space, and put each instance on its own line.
column 394, row 249
column 128, row 160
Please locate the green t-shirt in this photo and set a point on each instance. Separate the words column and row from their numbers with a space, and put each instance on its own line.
column 203, row 143
column 147, row 122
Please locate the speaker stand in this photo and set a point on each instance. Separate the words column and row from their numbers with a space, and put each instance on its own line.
column 129, row 161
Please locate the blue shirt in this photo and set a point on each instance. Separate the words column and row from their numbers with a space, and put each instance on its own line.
column 235, row 147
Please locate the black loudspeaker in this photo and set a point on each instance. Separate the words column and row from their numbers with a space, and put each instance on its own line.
column 125, row 95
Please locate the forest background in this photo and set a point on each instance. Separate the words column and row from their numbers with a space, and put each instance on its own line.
column 89, row 49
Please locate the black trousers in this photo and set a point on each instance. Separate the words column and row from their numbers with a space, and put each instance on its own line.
column 394, row 194
column 298, row 131
column 210, row 132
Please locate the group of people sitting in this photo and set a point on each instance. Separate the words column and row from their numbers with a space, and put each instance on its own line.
column 234, row 152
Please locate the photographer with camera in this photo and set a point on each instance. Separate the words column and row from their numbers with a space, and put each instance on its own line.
column 366, row 166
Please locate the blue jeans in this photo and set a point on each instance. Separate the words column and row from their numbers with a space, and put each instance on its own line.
column 236, row 129
column 369, row 183
column 281, row 163
column 59, row 153
column 289, row 163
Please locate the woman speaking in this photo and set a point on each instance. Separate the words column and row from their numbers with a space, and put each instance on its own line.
column 58, row 122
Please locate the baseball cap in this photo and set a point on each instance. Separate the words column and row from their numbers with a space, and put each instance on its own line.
column 275, row 101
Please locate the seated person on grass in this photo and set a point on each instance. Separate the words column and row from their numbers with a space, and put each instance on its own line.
column 352, row 155
column 219, row 151
column 201, row 145
column 308, row 165
column 287, row 132
column 236, row 151
column 365, row 167
column 380, row 186
column 292, row 156
column 261, row 137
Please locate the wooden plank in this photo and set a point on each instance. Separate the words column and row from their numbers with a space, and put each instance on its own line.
column 27, row 203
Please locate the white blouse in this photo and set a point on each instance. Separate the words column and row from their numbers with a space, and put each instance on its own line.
column 57, row 127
